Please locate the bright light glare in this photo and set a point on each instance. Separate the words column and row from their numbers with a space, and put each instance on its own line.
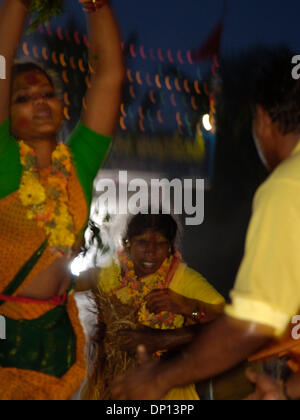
column 77, row 266
column 206, row 122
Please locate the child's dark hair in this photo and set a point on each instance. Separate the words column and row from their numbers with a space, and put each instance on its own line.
column 162, row 223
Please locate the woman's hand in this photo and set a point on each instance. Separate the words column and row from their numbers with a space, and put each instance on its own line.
column 143, row 383
column 169, row 301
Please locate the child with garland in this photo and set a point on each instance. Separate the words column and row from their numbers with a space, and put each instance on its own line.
column 45, row 195
column 166, row 297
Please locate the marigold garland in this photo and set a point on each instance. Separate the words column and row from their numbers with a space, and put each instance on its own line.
column 122, row 281
column 48, row 204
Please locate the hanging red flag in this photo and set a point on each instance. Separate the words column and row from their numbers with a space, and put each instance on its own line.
column 212, row 45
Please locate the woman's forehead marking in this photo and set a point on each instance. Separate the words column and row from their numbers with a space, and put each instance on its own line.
column 33, row 78
column 30, row 79
column 151, row 236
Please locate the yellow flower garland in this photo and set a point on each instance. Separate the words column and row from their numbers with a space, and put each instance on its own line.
column 48, row 204
column 120, row 279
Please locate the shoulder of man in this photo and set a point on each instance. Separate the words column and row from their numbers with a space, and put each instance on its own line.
column 284, row 182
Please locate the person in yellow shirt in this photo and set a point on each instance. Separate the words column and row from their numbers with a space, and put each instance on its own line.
column 164, row 295
column 267, row 290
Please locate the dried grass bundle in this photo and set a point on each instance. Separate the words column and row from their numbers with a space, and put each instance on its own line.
column 107, row 358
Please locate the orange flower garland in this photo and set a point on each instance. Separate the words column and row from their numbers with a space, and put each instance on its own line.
column 48, row 204
column 138, row 288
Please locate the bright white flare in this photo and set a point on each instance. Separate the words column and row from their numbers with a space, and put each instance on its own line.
column 206, row 122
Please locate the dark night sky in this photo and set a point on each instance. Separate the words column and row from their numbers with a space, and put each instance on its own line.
column 264, row 21
column 246, row 22
column 178, row 25
column 165, row 23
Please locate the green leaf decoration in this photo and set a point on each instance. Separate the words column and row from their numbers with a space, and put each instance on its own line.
column 43, row 11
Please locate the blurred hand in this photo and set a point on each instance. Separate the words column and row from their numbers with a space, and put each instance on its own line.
column 169, row 301
column 267, row 389
column 142, row 383
column 156, row 340
column 149, row 338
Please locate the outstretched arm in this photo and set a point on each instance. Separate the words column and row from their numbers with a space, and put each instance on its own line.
column 12, row 20
column 104, row 96
column 157, row 340
column 87, row 280
column 222, row 345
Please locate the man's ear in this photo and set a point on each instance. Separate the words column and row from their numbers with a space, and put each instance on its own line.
column 263, row 121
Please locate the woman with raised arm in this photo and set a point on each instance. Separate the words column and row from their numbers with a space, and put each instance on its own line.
column 45, row 194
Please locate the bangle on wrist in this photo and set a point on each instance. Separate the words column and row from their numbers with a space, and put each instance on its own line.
column 90, row 6
column 198, row 314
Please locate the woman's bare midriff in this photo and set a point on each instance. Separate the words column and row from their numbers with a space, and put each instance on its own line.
column 54, row 281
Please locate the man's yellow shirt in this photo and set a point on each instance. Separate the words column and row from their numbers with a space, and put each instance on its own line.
column 267, row 288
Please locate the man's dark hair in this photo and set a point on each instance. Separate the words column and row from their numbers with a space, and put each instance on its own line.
column 274, row 88
column 162, row 223
column 263, row 76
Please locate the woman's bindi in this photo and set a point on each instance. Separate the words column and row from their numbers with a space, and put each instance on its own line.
column 32, row 79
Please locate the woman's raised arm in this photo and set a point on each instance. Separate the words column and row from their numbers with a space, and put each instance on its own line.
column 104, row 96
column 12, row 20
